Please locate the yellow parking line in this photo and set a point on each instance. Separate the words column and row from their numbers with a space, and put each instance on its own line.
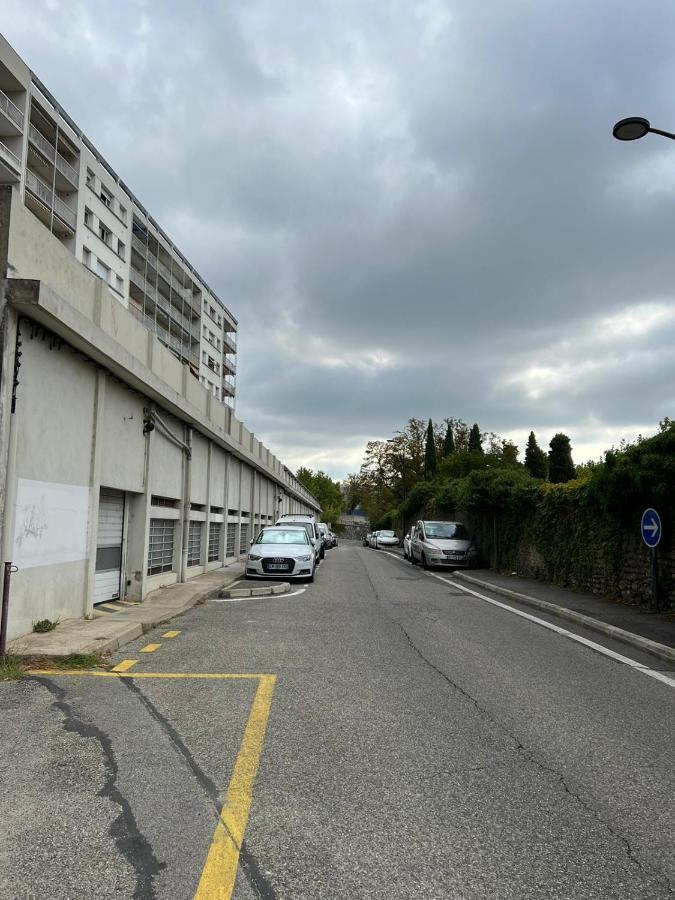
column 149, row 648
column 171, row 634
column 222, row 861
column 125, row 665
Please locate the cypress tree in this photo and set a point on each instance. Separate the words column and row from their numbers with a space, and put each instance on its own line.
column 475, row 442
column 430, row 466
column 535, row 458
column 560, row 464
column 449, row 442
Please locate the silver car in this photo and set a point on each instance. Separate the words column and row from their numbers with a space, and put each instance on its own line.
column 385, row 539
column 283, row 551
column 442, row 544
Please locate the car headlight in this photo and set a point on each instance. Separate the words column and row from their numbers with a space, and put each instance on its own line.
column 304, row 558
column 254, row 556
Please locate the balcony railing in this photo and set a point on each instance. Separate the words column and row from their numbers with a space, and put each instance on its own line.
column 40, row 141
column 7, row 154
column 138, row 244
column 229, row 342
column 66, row 169
column 137, row 277
column 163, row 271
column 39, row 188
column 11, row 110
column 63, row 211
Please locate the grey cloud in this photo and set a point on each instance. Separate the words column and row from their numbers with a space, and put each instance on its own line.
column 433, row 185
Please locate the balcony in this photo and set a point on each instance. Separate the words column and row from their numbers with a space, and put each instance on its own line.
column 37, row 139
column 139, row 246
column 137, row 278
column 11, row 163
column 164, row 271
column 228, row 387
column 64, row 212
column 229, row 342
column 69, row 172
column 12, row 111
column 229, row 365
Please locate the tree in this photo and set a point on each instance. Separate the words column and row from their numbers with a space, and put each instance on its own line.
column 535, row 458
column 508, row 455
column 326, row 491
column 449, row 442
column 430, row 464
column 475, row 440
column 560, row 464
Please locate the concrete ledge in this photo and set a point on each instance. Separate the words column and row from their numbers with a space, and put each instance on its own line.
column 662, row 651
column 266, row 590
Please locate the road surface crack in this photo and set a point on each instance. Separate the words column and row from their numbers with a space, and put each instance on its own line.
column 258, row 883
column 519, row 747
column 124, row 830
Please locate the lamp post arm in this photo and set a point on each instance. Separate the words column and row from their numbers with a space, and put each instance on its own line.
column 667, row 134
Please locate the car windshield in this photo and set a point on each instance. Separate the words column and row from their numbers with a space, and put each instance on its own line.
column 290, row 536
column 387, row 534
column 446, row 530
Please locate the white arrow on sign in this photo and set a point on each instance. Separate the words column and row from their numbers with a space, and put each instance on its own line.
column 653, row 527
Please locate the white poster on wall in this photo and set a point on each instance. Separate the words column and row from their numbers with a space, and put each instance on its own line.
column 50, row 525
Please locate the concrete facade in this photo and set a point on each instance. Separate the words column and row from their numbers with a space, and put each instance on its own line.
column 77, row 196
column 102, row 409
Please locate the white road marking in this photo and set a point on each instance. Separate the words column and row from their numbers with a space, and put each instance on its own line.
column 618, row 657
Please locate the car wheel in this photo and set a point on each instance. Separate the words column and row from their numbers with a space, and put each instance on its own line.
column 425, row 564
column 323, row 553
column 310, row 578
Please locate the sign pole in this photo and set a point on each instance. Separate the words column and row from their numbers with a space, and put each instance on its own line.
column 650, row 528
column 655, row 580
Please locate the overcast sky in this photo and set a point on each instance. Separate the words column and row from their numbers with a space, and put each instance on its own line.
column 413, row 208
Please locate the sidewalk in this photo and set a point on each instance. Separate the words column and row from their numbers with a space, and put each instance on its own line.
column 109, row 632
column 651, row 632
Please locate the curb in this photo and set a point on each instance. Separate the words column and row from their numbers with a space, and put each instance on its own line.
column 662, row 651
column 268, row 590
column 131, row 629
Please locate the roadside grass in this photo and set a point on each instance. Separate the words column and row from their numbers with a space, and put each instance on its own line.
column 11, row 668
column 79, row 661
column 42, row 626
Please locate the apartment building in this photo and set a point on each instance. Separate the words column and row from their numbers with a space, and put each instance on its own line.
column 75, row 193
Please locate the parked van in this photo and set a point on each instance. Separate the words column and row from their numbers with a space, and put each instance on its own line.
column 311, row 526
column 442, row 544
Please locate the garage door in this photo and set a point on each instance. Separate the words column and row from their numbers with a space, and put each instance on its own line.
column 109, row 546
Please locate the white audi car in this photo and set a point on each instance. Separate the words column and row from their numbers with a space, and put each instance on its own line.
column 281, row 551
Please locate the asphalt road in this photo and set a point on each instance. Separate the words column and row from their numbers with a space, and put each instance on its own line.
column 420, row 743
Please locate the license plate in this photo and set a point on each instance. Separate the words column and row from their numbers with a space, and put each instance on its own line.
column 277, row 567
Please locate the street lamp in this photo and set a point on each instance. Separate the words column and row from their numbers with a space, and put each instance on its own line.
column 634, row 127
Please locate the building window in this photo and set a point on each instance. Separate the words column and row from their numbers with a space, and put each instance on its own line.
column 204, row 358
column 106, row 197
column 119, row 283
column 160, row 547
column 231, row 538
column 243, row 538
column 105, row 234
column 215, row 530
column 102, row 271
column 194, row 543
column 86, row 257
column 121, row 249
column 122, row 212
column 88, row 217
column 91, row 180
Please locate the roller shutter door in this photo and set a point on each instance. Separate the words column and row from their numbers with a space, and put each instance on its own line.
column 109, row 546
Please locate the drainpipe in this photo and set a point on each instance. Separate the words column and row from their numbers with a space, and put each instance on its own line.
column 10, row 497
column 187, row 490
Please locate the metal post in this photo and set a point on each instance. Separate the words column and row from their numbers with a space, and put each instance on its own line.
column 655, row 581
column 5, row 608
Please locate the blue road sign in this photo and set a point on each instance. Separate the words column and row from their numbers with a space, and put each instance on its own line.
column 650, row 527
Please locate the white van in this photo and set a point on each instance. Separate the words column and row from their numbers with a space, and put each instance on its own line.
column 442, row 544
column 311, row 526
